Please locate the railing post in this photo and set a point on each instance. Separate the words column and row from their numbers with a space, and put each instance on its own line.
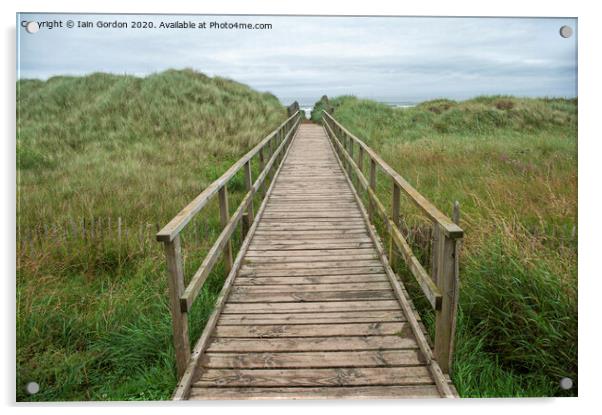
column 435, row 252
column 261, row 167
column 395, row 208
column 249, row 185
column 372, row 186
column 224, row 213
column 360, row 159
column 448, row 283
column 179, row 319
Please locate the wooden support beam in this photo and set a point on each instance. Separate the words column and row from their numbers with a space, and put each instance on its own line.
column 249, row 186
column 372, row 186
column 395, row 209
column 447, row 281
column 179, row 319
column 224, row 213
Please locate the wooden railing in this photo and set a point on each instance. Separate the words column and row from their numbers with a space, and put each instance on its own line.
column 270, row 153
column 441, row 287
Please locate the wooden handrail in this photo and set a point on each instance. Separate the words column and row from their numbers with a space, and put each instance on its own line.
column 202, row 273
column 440, row 289
column 429, row 288
column 174, row 226
column 182, row 298
column 451, row 229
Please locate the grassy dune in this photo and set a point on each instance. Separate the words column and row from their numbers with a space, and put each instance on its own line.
column 92, row 314
column 512, row 165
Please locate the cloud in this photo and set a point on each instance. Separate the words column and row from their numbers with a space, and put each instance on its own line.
column 389, row 58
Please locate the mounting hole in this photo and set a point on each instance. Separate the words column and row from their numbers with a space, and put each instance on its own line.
column 32, row 27
column 566, row 31
column 32, row 388
column 566, row 383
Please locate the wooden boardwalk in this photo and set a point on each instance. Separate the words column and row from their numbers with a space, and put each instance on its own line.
column 310, row 307
column 313, row 311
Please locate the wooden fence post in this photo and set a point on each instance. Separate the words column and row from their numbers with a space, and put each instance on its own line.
column 360, row 159
column 456, row 213
column 179, row 319
column 261, row 167
column 395, row 208
column 245, row 225
column 372, row 186
column 435, row 252
column 224, row 214
column 448, row 283
column 249, row 185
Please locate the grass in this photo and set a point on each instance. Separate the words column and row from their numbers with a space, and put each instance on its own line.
column 93, row 321
column 512, row 165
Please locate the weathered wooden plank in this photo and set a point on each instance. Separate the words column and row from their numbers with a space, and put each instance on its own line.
column 362, row 358
column 343, row 244
column 316, row 264
column 312, row 280
column 308, row 344
column 300, row 307
column 311, row 296
column 409, row 375
column 310, row 330
column 251, row 254
column 313, row 318
column 305, row 258
column 357, row 392
column 312, row 237
column 312, row 272
column 293, row 288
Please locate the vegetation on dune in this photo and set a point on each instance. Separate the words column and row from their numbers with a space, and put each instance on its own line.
column 512, row 165
column 92, row 315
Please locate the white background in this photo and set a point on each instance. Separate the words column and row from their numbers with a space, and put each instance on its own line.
column 590, row 203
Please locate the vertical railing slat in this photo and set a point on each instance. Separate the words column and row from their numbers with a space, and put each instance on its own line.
column 179, row 319
column 395, row 210
column 224, row 213
column 448, row 283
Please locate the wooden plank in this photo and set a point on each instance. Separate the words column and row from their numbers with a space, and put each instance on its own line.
column 409, row 375
column 311, row 296
column 313, row 318
column 300, row 307
column 308, row 344
column 293, row 288
column 251, row 254
column 362, row 358
column 342, row 244
column 312, row 280
column 315, row 264
column 312, row 272
column 310, row 330
column 312, row 237
column 358, row 392
column 273, row 259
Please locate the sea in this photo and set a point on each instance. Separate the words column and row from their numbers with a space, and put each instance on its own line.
column 308, row 107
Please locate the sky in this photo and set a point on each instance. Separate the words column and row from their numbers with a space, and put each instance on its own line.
column 392, row 59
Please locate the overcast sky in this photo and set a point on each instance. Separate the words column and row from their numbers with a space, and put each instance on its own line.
column 403, row 59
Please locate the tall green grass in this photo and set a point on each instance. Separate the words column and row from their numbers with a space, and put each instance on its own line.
column 512, row 165
column 92, row 318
